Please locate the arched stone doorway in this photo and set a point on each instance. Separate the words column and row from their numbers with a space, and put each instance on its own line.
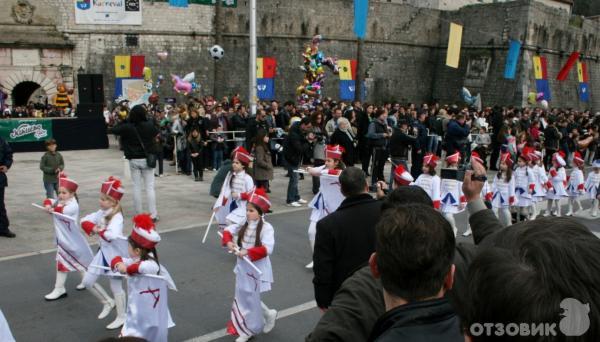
column 45, row 86
column 26, row 92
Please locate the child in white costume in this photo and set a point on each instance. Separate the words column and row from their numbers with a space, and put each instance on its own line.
column 592, row 187
column 148, row 284
column 230, row 207
column 329, row 197
column 73, row 253
column 576, row 184
column 503, row 190
column 453, row 200
column 541, row 179
column 107, row 223
column 557, row 182
column 429, row 181
column 524, row 185
column 255, row 241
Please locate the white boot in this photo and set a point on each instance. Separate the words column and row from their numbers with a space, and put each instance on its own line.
column 81, row 286
column 121, row 302
column 243, row 338
column 270, row 316
column 594, row 208
column 570, row 206
column 558, row 208
column 548, row 208
column 107, row 303
column 468, row 232
column 534, row 211
column 312, row 248
column 578, row 202
column 59, row 287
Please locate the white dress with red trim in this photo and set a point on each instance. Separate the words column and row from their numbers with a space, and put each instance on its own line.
column 148, row 314
column 503, row 192
column 233, row 210
column 329, row 197
column 576, row 185
column 540, row 180
column 73, row 253
column 246, row 311
column 558, row 179
column 112, row 241
column 432, row 186
column 592, row 185
column 451, row 196
column 524, row 186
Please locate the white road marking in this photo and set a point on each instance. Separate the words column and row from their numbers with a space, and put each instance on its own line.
column 215, row 335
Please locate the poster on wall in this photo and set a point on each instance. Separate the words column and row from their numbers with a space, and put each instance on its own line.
column 133, row 89
column 108, row 12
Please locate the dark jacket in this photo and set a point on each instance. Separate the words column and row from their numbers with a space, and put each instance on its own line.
column 375, row 134
column 295, row 145
column 345, row 240
column 6, row 159
column 431, row 320
column 552, row 137
column 238, row 123
column 400, row 143
column 341, row 138
column 48, row 164
column 263, row 166
column 217, row 182
column 132, row 147
column 254, row 126
column 457, row 134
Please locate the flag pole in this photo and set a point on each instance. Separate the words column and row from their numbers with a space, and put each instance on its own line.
column 252, row 66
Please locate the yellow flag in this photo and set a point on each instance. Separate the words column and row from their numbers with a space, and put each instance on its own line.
column 122, row 66
column 260, row 69
column 537, row 68
column 454, row 41
column 345, row 67
column 580, row 72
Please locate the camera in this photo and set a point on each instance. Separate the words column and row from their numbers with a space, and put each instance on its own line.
column 278, row 148
column 459, row 174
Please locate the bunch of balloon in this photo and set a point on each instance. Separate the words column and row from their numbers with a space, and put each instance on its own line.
column 310, row 90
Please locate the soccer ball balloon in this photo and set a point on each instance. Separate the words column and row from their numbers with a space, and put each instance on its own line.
column 216, row 52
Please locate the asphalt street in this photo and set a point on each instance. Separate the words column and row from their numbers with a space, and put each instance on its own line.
column 204, row 277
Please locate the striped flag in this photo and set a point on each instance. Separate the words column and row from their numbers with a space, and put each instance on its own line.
column 454, row 43
column 266, row 69
column 540, row 70
column 122, row 66
column 583, row 78
column 347, row 69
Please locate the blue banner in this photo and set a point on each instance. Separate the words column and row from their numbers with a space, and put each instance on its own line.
column 178, row 3
column 542, row 86
column 361, row 13
column 584, row 92
column 512, row 59
column 348, row 89
column 265, row 88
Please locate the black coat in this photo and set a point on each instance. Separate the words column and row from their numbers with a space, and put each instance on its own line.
column 345, row 240
column 295, row 145
column 6, row 159
column 341, row 138
column 132, row 147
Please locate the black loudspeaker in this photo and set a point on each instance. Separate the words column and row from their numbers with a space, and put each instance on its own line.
column 91, row 88
column 89, row 110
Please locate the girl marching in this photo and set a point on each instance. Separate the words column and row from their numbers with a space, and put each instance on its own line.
column 107, row 223
column 503, row 190
column 255, row 240
column 148, row 283
column 329, row 197
column 557, row 181
column 230, row 207
column 540, row 181
column 576, row 185
column 73, row 253
column 452, row 198
column 592, row 187
column 524, row 185
column 429, row 181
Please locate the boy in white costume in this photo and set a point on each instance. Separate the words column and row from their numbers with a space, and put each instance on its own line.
column 576, row 184
column 557, row 183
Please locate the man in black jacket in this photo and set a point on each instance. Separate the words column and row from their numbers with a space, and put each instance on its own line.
column 345, row 238
column 378, row 135
column 497, row 121
column 295, row 146
column 6, row 160
column 400, row 143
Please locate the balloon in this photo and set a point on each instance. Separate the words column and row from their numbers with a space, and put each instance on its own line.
column 183, row 85
column 154, row 98
column 159, row 81
column 147, row 72
column 544, row 104
column 539, row 96
column 531, row 98
column 162, row 55
column 314, row 73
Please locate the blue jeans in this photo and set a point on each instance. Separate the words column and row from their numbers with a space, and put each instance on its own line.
column 292, row 190
column 217, row 159
column 51, row 189
column 432, row 143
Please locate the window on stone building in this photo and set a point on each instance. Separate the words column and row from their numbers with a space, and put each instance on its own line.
column 131, row 40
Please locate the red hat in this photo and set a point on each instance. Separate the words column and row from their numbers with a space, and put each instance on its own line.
column 401, row 176
column 430, row 159
column 525, row 156
column 242, row 155
column 64, row 182
column 558, row 158
column 536, row 155
column 260, row 199
column 505, row 158
column 143, row 232
column 453, row 158
column 477, row 157
column 530, row 153
column 112, row 188
column 334, row 151
column 577, row 159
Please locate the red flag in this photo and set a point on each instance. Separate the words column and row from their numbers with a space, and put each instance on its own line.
column 353, row 68
column 564, row 72
column 269, row 67
column 137, row 66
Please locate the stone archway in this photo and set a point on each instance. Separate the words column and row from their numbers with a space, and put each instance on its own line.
column 18, row 77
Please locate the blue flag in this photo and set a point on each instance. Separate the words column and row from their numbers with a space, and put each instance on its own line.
column 584, row 92
column 542, row 86
column 178, row 3
column 347, row 89
column 265, row 88
column 361, row 13
column 512, row 59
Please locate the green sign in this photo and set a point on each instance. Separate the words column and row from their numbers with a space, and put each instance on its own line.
column 26, row 130
column 224, row 3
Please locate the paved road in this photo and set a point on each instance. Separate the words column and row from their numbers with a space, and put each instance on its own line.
column 203, row 274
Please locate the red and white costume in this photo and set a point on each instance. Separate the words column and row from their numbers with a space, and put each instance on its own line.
column 524, row 177
column 540, row 176
column 248, row 313
column 401, row 176
column 576, row 185
column 592, row 185
column 557, row 179
column 430, row 184
column 327, row 200
column 148, row 313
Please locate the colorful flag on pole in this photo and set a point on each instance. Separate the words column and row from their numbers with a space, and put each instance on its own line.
column 512, row 59
column 582, row 76
column 454, row 42
column 266, row 69
column 564, row 71
column 137, row 66
column 122, row 66
column 347, row 69
column 361, row 14
column 178, row 3
column 540, row 71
